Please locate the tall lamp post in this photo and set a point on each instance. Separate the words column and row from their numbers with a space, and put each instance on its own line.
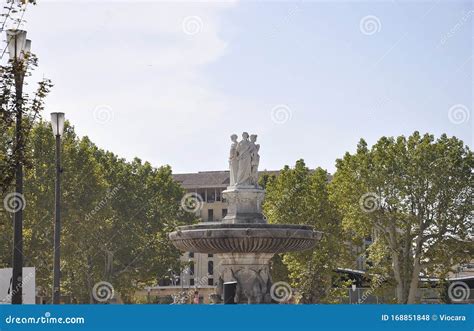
column 18, row 48
column 57, row 123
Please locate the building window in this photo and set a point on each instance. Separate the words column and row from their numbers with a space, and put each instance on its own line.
column 224, row 213
column 192, row 269
column 210, row 215
column 210, row 281
column 211, row 195
column 191, row 255
column 218, row 194
column 210, row 255
column 202, row 194
column 210, row 268
column 191, row 282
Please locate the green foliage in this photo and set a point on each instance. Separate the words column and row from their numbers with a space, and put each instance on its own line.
column 413, row 196
column 299, row 196
column 279, row 269
column 264, row 179
column 18, row 113
column 166, row 300
column 115, row 217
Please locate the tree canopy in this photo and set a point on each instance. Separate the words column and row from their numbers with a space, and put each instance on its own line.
column 413, row 196
column 115, row 217
column 300, row 196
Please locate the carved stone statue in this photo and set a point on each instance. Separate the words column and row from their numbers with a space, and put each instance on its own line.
column 233, row 162
column 244, row 160
column 255, row 160
column 253, row 285
column 244, row 149
column 220, row 287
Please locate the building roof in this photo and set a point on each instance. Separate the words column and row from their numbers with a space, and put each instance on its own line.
column 208, row 179
column 203, row 179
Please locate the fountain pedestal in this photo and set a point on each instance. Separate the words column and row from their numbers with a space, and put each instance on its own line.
column 244, row 250
column 245, row 204
column 252, row 273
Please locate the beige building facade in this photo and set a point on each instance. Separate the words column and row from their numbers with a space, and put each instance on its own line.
column 208, row 187
column 200, row 275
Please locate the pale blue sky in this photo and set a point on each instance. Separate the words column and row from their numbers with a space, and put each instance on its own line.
column 172, row 97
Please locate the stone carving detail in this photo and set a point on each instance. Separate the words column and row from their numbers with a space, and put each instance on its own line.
column 253, row 286
column 233, row 162
column 244, row 160
column 220, row 287
column 255, row 160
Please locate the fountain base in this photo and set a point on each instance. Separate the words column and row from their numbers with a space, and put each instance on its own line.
column 251, row 272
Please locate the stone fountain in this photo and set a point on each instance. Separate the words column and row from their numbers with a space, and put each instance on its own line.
column 244, row 242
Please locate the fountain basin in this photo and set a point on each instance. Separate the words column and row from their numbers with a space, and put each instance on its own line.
column 216, row 238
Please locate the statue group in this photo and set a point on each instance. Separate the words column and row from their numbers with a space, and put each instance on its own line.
column 244, row 160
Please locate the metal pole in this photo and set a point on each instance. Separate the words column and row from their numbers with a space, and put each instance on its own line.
column 57, row 227
column 17, row 272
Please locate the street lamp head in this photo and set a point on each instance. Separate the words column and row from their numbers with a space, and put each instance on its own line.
column 17, row 43
column 27, row 49
column 57, row 123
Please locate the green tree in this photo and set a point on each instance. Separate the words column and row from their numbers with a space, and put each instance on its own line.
column 115, row 218
column 299, row 196
column 18, row 113
column 414, row 197
column 39, row 211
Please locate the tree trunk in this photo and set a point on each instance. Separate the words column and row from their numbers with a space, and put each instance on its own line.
column 397, row 270
column 397, row 274
column 414, row 281
column 89, row 280
column 413, row 289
